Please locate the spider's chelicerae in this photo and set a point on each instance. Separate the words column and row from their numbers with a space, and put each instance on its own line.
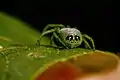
column 66, row 36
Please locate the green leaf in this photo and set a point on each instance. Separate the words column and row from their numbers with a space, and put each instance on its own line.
column 26, row 63
column 17, row 31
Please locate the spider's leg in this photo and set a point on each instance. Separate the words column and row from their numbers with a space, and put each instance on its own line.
column 44, row 33
column 55, row 35
column 88, row 37
column 52, row 26
column 57, row 30
column 86, row 43
column 52, row 42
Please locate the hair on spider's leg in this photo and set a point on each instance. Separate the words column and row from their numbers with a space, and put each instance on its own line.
column 55, row 35
column 44, row 33
column 86, row 43
column 52, row 26
column 88, row 37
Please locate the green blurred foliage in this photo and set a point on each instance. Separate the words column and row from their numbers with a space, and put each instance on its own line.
column 17, row 30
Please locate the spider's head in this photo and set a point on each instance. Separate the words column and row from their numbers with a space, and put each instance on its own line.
column 71, row 37
column 73, row 40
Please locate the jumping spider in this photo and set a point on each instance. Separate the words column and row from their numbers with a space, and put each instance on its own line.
column 68, row 37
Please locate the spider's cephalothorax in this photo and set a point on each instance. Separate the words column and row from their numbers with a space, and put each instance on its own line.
column 71, row 37
column 68, row 37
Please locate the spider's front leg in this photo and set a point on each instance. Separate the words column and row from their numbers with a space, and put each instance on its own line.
column 57, row 37
column 44, row 33
column 89, row 38
column 52, row 41
column 86, row 43
column 53, row 26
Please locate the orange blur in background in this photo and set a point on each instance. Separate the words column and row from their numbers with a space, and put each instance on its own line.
column 60, row 71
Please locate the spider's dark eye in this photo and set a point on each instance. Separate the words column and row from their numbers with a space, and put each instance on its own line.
column 77, row 38
column 70, row 37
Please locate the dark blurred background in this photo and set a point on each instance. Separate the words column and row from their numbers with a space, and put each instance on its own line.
column 94, row 18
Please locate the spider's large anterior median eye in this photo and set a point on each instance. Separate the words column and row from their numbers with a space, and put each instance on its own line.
column 70, row 37
column 77, row 38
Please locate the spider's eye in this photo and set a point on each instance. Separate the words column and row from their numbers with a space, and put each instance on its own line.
column 77, row 38
column 70, row 37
